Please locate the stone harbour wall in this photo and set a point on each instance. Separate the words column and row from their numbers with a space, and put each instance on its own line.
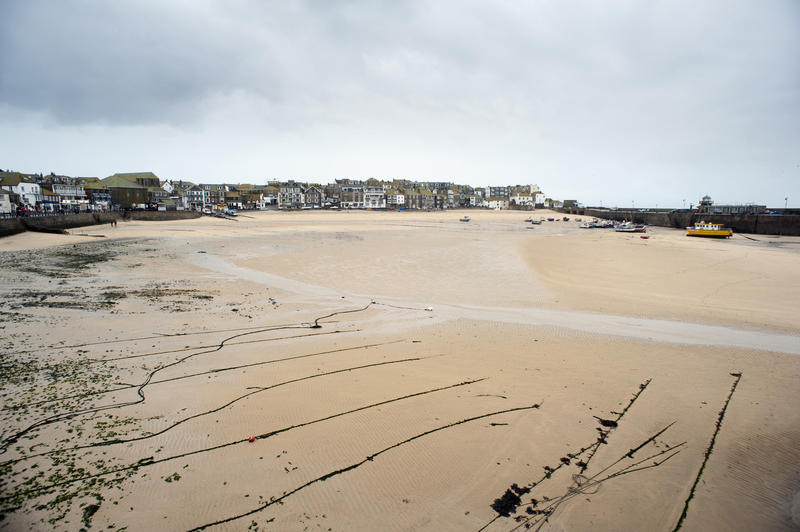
column 760, row 224
column 59, row 224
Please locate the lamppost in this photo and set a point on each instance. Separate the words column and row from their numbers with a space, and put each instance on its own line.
column 786, row 202
column 684, row 203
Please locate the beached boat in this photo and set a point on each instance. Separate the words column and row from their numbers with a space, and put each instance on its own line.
column 464, row 219
column 630, row 227
column 536, row 222
column 709, row 230
column 587, row 225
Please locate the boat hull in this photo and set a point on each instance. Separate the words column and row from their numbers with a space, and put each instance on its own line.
column 709, row 233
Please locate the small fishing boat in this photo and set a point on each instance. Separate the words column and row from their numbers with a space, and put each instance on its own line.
column 630, row 227
column 464, row 219
column 536, row 222
column 709, row 230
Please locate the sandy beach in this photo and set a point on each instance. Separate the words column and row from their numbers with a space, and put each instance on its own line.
column 398, row 371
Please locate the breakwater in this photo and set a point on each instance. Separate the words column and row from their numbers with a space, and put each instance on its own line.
column 59, row 224
column 761, row 224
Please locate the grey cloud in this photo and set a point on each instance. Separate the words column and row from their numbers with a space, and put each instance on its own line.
column 564, row 89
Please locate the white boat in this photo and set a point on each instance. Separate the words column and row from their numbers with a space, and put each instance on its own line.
column 464, row 219
column 630, row 227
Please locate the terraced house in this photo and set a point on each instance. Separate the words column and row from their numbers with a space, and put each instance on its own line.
column 72, row 196
column 290, row 195
column 395, row 199
column 374, row 197
column 196, row 197
column 233, row 198
column 422, row 199
column 313, row 196
column 216, row 193
column 352, row 195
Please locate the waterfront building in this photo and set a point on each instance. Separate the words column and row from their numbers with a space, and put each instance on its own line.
column 497, row 202
column 98, row 196
column 352, row 196
column 521, row 199
column 395, row 199
column 313, row 196
column 72, row 196
column 374, row 197
column 290, row 195
column 28, row 192
column 125, row 192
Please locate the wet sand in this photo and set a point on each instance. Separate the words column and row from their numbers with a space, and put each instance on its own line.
column 398, row 371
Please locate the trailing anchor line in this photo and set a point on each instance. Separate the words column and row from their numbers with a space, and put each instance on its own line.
column 709, row 449
column 148, row 461
column 8, row 441
column 369, row 458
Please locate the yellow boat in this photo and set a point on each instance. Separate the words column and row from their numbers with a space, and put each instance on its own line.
column 707, row 229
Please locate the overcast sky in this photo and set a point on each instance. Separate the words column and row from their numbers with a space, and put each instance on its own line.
column 613, row 101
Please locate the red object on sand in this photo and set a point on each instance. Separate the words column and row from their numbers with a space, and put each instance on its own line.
column 251, row 439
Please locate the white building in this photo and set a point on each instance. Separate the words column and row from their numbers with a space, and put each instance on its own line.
column 497, row 203
column 522, row 199
column 374, row 198
column 71, row 196
column 553, row 204
column 395, row 199
column 196, row 197
column 29, row 193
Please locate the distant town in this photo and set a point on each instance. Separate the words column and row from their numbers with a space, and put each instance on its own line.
column 23, row 194
column 145, row 190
